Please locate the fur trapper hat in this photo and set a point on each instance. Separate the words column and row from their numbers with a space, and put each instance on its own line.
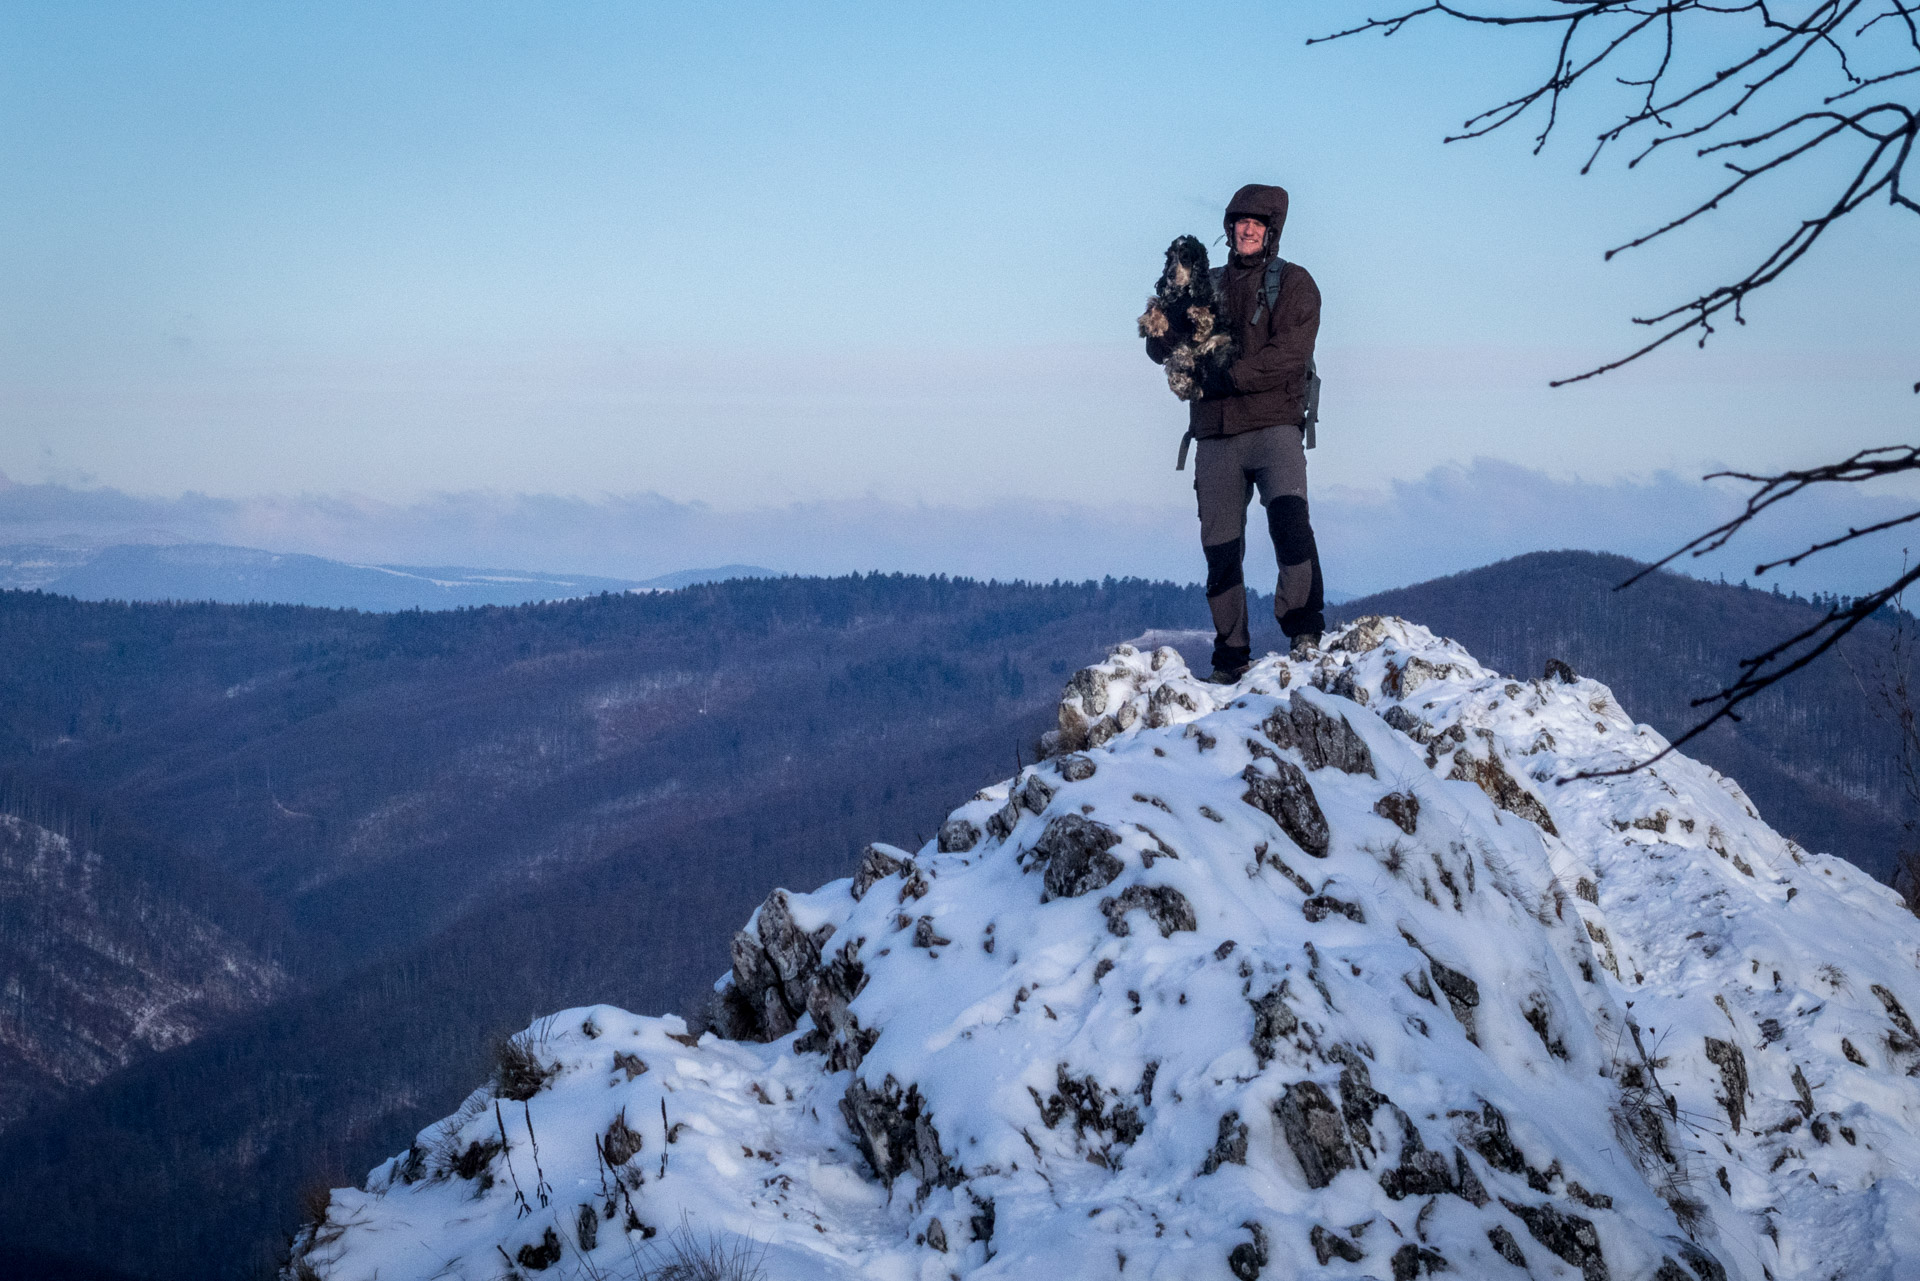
column 1269, row 204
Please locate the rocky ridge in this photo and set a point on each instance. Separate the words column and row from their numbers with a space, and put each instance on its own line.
column 1344, row 971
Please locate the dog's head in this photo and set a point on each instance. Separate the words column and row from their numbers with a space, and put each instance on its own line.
column 1186, row 266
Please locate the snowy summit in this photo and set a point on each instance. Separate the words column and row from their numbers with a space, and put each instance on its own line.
column 1333, row 973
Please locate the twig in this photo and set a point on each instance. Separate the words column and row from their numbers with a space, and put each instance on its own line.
column 542, row 1189
column 1776, row 66
column 506, row 1150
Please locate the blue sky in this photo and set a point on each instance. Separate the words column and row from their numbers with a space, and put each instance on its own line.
column 765, row 259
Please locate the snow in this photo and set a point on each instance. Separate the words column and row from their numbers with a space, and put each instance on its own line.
column 1590, row 967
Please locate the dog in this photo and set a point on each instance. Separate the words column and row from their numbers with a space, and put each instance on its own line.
column 1185, row 311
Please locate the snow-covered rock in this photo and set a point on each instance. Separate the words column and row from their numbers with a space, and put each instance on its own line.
column 1351, row 970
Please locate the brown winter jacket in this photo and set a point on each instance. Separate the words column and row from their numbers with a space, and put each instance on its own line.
column 1270, row 375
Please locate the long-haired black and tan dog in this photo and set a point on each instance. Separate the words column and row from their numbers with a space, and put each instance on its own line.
column 1185, row 312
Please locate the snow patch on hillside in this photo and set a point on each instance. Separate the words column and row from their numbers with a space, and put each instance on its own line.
column 1338, row 972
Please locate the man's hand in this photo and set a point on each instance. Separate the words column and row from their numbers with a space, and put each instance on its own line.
column 1214, row 383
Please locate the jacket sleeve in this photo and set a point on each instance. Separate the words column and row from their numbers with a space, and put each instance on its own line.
column 1280, row 361
column 1158, row 349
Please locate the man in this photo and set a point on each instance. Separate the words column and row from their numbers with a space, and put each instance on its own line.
column 1248, row 425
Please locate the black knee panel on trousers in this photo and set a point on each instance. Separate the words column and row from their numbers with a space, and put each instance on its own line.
column 1292, row 533
column 1223, row 565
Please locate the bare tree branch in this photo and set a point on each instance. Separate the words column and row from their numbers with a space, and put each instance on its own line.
column 1772, row 667
column 1686, row 98
column 1776, row 98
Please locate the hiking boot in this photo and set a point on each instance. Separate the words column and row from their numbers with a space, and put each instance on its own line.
column 1228, row 675
column 1305, row 646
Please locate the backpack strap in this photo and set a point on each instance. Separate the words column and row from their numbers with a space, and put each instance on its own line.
column 1270, row 286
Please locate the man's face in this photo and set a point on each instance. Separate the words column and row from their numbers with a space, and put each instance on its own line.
column 1249, row 236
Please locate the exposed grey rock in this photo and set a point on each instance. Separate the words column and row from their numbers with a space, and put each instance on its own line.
column 1343, row 685
column 1277, row 725
column 1288, row 800
column 1733, row 1078
column 1703, row 1265
column 1036, row 793
column 1000, row 823
column 586, row 1228
column 621, row 1141
column 1324, row 738
column 1364, row 636
column 1567, row 1235
column 924, row 935
column 1092, row 1108
column 1247, row 1258
column 1538, row 1012
column 1089, row 687
column 1273, row 1021
column 895, row 1133
column 1592, row 1200
column 1462, row 993
column 1505, row 1246
column 1313, row 1130
column 1805, row 1101
column 1073, row 850
column 1402, row 809
column 875, row 865
column 1165, row 906
column 1264, row 855
column 1421, row 1171
column 1165, row 703
column 752, row 1007
column 1082, row 716
column 773, row 971
column 957, row 836
column 1160, row 848
column 1407, row 723
column 1076, row 768
column 1358, row 1099
column 833, row 988
column 1328, row 1246
column 1491, row 777
column 1901, row 1020
column 1466, row 1184
column 793, row 953
column 1320, row 906
column 1411, row 1261
column 538, row 1258
column 1403, row 679
column 1230, row 1148
column 1559, row 670
column 937, row 1235
column 981, row 1224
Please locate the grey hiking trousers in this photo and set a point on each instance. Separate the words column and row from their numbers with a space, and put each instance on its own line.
column 1227, row 471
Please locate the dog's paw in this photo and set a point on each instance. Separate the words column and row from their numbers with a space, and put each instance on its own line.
column 1153, row 322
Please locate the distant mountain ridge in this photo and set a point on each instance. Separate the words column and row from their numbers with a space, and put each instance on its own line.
column 246, row 575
